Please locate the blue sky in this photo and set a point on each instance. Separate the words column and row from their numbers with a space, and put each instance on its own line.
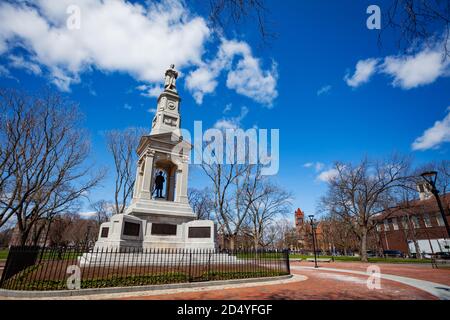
column 307, row 84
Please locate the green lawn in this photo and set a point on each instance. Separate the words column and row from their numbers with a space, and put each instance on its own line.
column 351, row 258
column 260, row 255
column 3, row 254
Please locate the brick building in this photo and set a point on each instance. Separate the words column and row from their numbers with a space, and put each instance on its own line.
column 303, row 228
column 417, row 225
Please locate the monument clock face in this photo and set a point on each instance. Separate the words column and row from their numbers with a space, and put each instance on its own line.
column 171, row 106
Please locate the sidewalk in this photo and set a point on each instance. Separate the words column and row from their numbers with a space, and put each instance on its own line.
column 416, row 271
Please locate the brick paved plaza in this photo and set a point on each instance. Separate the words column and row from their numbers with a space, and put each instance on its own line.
column 327, row 285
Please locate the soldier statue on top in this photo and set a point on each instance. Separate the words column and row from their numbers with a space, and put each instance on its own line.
column 170, row 79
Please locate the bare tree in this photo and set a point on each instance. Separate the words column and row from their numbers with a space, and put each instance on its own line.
column 280, row 233
column 229, row 214
column 359, row 192
column 44, row 151
column 222, row 13
column 422, row 20
column 122, row 145
column 202, row 202
column 267, row 203
column 338, row 234
column 103, row 211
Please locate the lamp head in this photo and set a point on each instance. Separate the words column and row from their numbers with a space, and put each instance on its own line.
column 429, row 176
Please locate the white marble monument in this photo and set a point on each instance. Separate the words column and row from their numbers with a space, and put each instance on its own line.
column 166, row 221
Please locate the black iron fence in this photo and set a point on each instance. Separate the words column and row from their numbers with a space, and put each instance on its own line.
column 34, row 268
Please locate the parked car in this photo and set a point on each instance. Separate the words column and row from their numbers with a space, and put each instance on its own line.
column 393, row 254
column 371, row 253
column 442, row 255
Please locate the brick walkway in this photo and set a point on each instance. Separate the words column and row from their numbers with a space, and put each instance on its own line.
column 328, row 285
column 417, row 271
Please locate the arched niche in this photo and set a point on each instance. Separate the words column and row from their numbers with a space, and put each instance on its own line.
column 169, row 170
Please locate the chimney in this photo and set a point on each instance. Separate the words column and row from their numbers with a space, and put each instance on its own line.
column 424, row 190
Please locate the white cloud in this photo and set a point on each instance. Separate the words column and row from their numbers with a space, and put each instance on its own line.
column 19, row 63
column 202, row 81
column 127, row 106
column 141, row 40
column 436, row 135
column 114, row 36
column 232, row 123
column 364, row 70
column 224, row 124
column 4, row 72
column 316, row 165
column 421, row 66
column 324, row 90
column 150, row 91
column 249, row 80
column 245, row 76
column 152, row 110
column 87, row 214
column 227, row 108
column 327, row 175
column 416, row 70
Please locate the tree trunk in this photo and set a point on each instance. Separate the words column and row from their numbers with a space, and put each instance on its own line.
column 232, row 241
column 364, row 245
column 418, row 253
column 256, row 239
column 23, row 238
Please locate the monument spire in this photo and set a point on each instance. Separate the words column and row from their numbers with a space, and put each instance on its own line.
column 167, row 117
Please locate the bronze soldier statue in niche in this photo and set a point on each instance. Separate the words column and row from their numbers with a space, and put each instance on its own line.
column 159, row 183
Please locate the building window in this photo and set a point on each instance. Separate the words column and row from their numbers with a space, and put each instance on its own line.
column 415, row 221
column 427, row 220
column 440, row 221
column 386, row 225
column 405, row 222
column 394, row 223
column 378, row 227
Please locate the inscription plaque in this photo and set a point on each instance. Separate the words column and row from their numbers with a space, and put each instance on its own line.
column 131, row 229
column 105, row 232
column 199, row 232
column 164, row 229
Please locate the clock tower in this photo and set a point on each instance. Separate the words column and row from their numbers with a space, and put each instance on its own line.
column 167, row 117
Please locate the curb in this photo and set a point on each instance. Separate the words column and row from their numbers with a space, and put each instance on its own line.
column 94, row 291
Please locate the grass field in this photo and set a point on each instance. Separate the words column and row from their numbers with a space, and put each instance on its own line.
column 3, row 254
column 350, row 258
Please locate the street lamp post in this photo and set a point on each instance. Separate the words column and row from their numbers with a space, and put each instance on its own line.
column 311, row 218
column 430, row 177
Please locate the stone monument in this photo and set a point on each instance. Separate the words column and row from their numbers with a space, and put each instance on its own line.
column 159, row 215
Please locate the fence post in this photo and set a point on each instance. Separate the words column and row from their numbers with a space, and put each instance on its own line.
column 288, row 267
column 190, row 260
